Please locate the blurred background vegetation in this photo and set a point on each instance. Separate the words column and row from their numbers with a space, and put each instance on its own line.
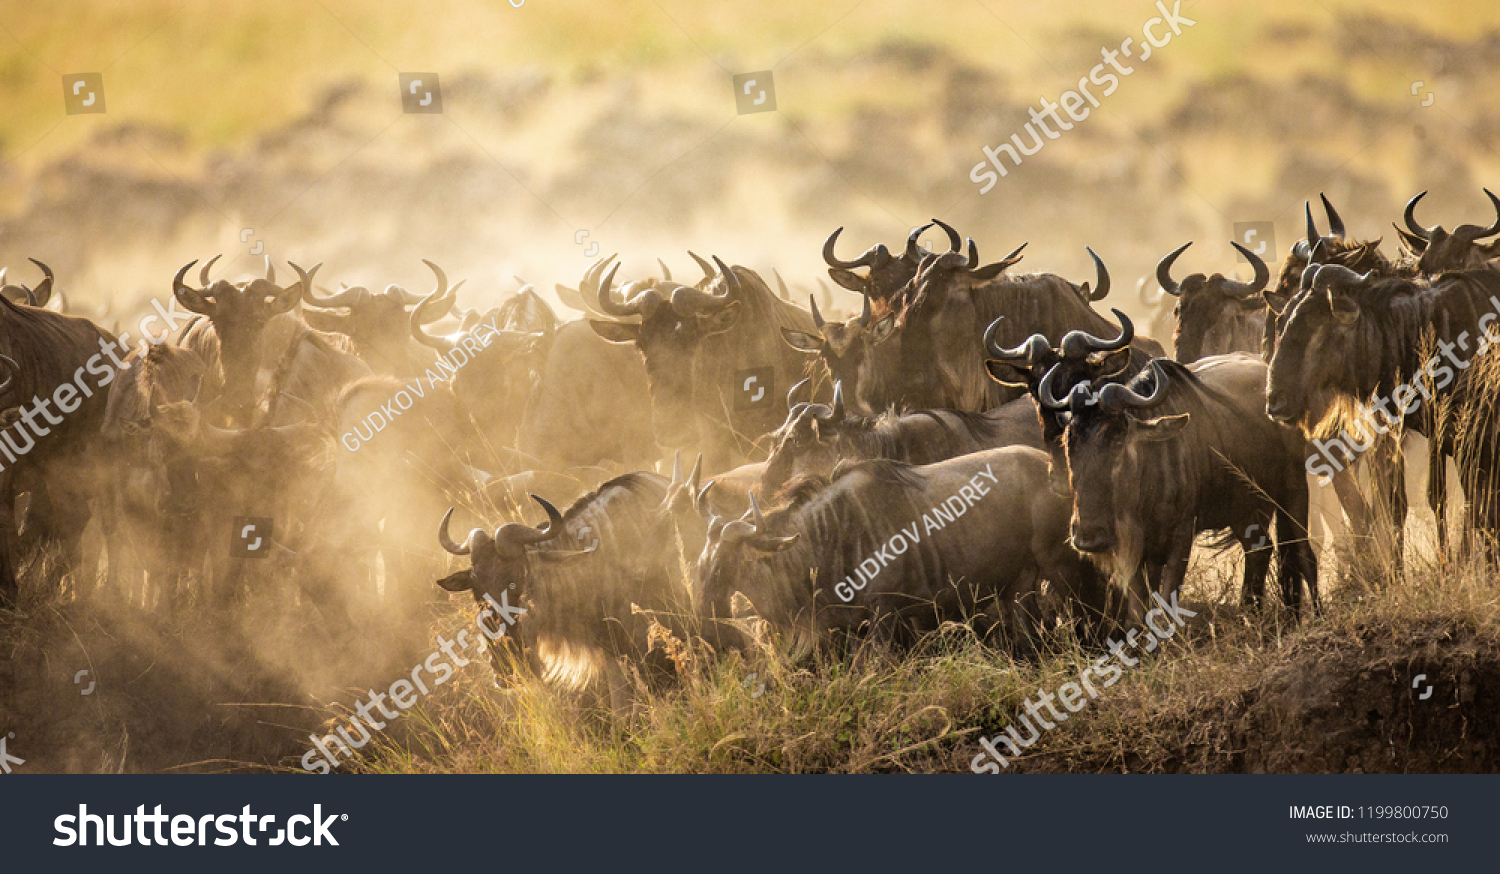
column 618, row 119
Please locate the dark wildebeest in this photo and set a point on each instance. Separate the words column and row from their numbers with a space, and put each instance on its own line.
column 1348, row 338
column 947, row 309
column 1216, row 315
column 1361, row 256
column 976, row 534
column 228, row 337
column 1181, row 450
column 379, row 324
column 1431, row 251
column 49, row 358
column 714, row 359
column 581, row 578
column 817, row 437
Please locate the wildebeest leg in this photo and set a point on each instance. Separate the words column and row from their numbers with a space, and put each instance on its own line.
column 1437, row 493
column 1174, row 569
column 1388, row 477
column 10, row 587
column 1258, row 548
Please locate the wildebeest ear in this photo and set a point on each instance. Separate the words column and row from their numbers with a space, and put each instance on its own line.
column 462, row 581
column 990, row 271
column 616, row 332
column 721, row 320
column 1276, row 300
column 883, row 329
column 802, row 342
column 1163, row 428
column 847, row 279
column 1006, row 374
column 768, row 543
column 1345, row 311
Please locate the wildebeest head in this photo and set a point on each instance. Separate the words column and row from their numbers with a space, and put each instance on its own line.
column 733, row 557
column 379, row 323
column 502, row 561
column 886, row 275
column 239, row 312
column 1316, row 356
column 1440, row 250
column 841, row 345
column 1215, row 314
column 1102, row 442
column 810, row 441
column 674, row 320
column 22, row 294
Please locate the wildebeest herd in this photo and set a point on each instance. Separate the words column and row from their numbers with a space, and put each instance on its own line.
column 1085, row 463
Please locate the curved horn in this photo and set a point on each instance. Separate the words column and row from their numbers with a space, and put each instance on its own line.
column 607, row 303
column 954, row 241
column 203, row 274
column 791, row 396
column 701, row 502
column 191, row 297
column 781, row 285
column 708, row 270
column 972, row 262
column 1262, row 272
column 1114, row 397
column 1101, row 289
column 838, row 401
column 913, row 253
column 666, row 272
column 522, row 535
column 1027, row 353
column 1469, row 233
column 1411, row 218
column 817, row 317
column 864, row 313
column 755, row 514
column 348, row 296
column 446, row 541
column 1312, row 229
column 828, row 257
column 43, row 291
column 1079, row 344
column 1164, row 270
column 1335, row 224
column 270, row 270
column 731, row 282
column 1338, row 274
column 1044, row 394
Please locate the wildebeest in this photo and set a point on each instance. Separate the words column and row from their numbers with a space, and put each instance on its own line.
column 1177, row 451
column 378, row 323
column 578, row 577
column 976, row 534
column 228, row 337
column 714, row 359
column 1214, row 314
column 817, row 437
column 1361, row 256
column 841, row 345
column 1351, row 337
column 49, row 359
column 1433, row 250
